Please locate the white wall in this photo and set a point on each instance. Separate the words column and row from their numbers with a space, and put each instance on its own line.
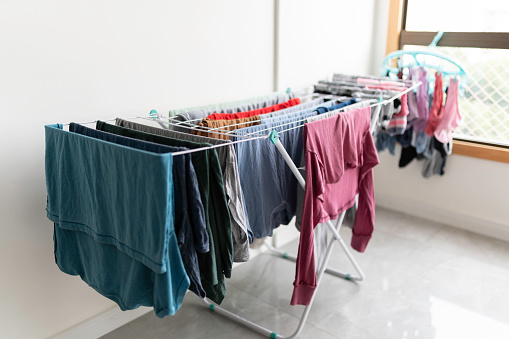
column 63, row 61
column 320, row 37
column 472, row 194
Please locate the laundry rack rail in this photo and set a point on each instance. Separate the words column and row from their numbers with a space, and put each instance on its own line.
column 322, row 266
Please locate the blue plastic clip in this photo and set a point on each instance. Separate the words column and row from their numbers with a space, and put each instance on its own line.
column 273, row 335
column 288, row 90
column 285, row 255
column 273, row 137
column 348, row 277
column 212, row 307
column 153, row 113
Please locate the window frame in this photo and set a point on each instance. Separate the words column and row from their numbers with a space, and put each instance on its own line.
column 398, row 36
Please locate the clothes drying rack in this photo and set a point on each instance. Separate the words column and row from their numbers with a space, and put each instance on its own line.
column 333, row 227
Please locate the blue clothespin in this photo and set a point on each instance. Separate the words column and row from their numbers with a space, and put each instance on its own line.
column 153, row 114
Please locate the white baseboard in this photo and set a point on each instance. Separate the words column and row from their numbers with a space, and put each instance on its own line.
column 102, row 323
column 465, row 222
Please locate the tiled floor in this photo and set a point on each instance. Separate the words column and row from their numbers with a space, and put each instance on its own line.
column 423, row 280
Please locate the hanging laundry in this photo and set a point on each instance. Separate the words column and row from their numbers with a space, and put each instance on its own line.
column 451, row 117
column 340, row 156
column 218, row 227
column 223, row 126
column 195, row 114
column 413, row 112
column 241, row 231
column 97, row 229
column 398, row 122
column 269, row 186
column 247, row 114
column 436, row 111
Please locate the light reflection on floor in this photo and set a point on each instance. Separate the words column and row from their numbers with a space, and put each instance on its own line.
column 423, row 280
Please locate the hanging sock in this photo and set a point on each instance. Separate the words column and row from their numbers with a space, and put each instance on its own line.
column 407, row 155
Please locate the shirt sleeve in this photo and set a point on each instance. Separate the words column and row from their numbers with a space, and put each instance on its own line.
column 365, row 216
column 305, row 272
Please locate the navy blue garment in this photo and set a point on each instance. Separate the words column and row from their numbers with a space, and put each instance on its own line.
column 188, row 207
column 269, row 186
column 107, row 226
column 321, row 110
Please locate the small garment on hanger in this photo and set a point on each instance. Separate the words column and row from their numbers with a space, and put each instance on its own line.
column 91, row 194
column 241, row 231
column 405, row 139
column 340, row 156
column 435, row 164
column 398, row 122
column 218, row 227
column 224, row 126
column 421, row 142
column 247, row 114
column 451, row 117
column 385, row 141
column 436, row 111
column 413, row 112
column 422, row 103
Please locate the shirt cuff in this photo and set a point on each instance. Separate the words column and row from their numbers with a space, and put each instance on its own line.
column 302, row 294
column 360, row 242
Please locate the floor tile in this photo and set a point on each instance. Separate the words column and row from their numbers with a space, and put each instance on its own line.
column 423, row 280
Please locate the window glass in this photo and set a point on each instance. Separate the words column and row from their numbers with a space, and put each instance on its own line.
column 484, row 103
column 458, row 15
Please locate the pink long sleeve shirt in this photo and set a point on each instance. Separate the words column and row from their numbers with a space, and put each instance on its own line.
column 340, row 155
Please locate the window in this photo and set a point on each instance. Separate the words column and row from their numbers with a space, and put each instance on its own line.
column 476, row 35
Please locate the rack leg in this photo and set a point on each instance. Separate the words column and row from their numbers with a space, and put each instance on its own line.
column 322, row 269
column 344, row 247
column 264, row 331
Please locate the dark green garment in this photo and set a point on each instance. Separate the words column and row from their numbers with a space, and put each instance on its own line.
column 216, row 264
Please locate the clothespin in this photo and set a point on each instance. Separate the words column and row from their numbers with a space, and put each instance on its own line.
column 153, row 114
